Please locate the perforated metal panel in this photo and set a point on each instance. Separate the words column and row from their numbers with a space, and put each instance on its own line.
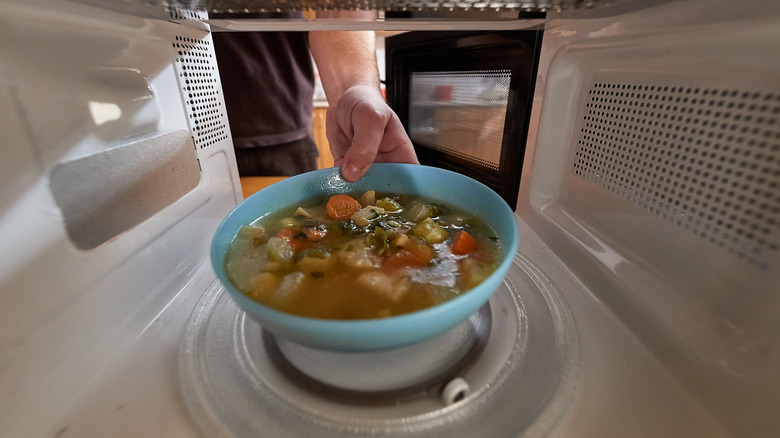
column 197, row 70
column 186, row 13
column 239, row 6
column 705, row 159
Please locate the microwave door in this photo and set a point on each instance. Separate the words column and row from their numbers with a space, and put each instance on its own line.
column 465, row 99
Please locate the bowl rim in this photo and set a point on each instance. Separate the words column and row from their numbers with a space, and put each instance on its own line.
column 275, row 320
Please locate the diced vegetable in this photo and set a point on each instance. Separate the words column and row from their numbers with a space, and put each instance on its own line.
column 463, row 243
column 366, row 215
column 430, row 231
column 358, row 255
column 315, row 234
column 392, row 226
column 302, row 212
column 368, row 198
column 414, row 253
column 256, row 234
column 290, row 233
column 400, row 241
column 420, row 211
column 421, row 252
column 264, row 284
column 389, row 204
column 315, row 230
column 243, row 261
column 384, row 285
column 377, row 240
column 290, row 283
column 342, row 206
column 473, row 272
column 280, row 250
column 296, row 237
column 316, row 265
column 288, row 222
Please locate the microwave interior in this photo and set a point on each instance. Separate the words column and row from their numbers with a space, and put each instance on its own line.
column 636, row 141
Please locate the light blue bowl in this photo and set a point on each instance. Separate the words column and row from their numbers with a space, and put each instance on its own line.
column 381, row 333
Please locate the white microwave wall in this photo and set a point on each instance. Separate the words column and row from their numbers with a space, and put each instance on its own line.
column 655, row 179
column 117, row 167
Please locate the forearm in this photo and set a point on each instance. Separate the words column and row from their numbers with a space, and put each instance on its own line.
column 361, row 128
column 344, row 59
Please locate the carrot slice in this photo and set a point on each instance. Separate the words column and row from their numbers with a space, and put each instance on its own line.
column 288, row 233
column 463, row 243
column 340, row 207
column 314, row 234
column 296, row 237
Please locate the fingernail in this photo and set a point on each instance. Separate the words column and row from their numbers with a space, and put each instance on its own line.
column 352, row 173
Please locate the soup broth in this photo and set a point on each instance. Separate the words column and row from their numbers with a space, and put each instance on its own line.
column 361, row 256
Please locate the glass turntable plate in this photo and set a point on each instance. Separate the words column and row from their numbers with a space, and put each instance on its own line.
column 522, row 371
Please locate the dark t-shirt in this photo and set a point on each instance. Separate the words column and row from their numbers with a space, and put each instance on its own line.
column 268, row 82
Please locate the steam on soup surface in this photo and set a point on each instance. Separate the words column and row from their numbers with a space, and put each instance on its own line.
column 361, row 256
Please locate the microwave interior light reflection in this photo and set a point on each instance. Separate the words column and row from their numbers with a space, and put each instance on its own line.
column 104, row 112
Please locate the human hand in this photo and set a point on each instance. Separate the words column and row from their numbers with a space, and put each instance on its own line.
column 362, row 129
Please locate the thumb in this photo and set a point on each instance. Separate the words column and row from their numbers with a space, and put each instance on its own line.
column 369, row 129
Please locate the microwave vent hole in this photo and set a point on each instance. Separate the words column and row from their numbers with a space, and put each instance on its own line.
column 186, row 14
column 705, row 159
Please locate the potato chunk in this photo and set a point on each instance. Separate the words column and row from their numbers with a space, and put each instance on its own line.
column 316, row 266
column 255, row 234
column 368, row 198
column 290, row 283
column 303, row 212
column 264, row 284
column 275, row 287
column 420, row 211
column 473, row 272
column 279, row 250
column 357, row 255
column 384, row 285
column 430, row 231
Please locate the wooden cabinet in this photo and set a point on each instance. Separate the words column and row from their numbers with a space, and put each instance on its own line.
column 326, row 158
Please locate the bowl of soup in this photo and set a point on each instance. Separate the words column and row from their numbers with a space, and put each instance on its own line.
column 400, row 256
